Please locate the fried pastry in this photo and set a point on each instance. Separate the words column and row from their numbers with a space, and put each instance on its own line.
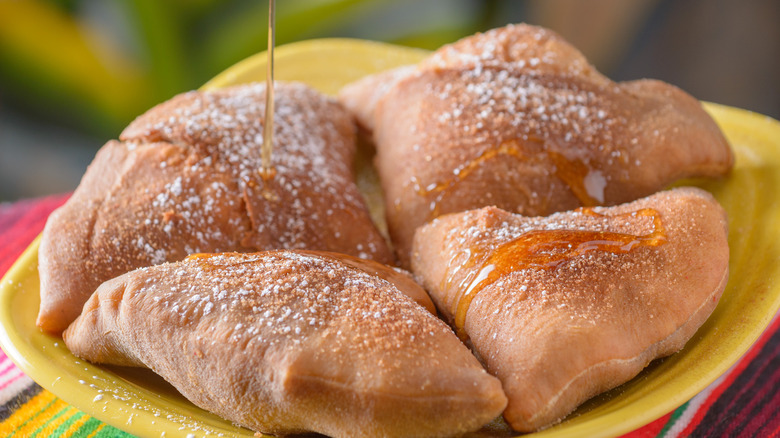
column 185, row 178
column 517, row 118
column 286, row 341
column 564, row 307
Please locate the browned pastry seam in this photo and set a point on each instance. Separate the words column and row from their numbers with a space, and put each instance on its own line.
column 184, row 178
column 578, row 139
column 664, row 347
column 561, row 323
column 291, row 341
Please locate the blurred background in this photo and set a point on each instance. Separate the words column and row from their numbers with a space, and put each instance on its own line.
column 73, row 73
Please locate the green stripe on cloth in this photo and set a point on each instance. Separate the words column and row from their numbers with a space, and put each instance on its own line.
column 88, row 427
column 76, row 415
column 44, row 430
column 85, row 426
column 29, row 413
column 110, row 432
column 45, row 416
column 673, row 419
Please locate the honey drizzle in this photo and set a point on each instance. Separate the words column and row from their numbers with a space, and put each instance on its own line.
column 548, row 249
column 571, row 172
column 267, row 172
column 505, row 148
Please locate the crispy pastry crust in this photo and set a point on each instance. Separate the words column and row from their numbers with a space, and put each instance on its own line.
column 287, row 341
column 517, row 118
column 567, row 328
column 184, row 178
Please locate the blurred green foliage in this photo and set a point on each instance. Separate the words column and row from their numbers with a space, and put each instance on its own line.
column 96, row 64
column 74, row 73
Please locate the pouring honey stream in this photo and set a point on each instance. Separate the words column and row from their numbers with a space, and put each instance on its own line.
column 546, row 249
column 267, row 172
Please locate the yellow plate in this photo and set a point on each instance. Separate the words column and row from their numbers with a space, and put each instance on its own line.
column 143, row 404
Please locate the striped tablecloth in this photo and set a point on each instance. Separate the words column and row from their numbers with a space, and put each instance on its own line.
column 743, row 402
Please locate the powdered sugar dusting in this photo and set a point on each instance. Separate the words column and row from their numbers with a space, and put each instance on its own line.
column 278, row 297
column 228, row 124
column 206, row 194
column 498, row 104
column 520, row 46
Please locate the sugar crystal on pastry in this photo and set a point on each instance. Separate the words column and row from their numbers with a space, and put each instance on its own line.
column 289, row 341
column 185, row 178
column 517, row 118
column 564, row 307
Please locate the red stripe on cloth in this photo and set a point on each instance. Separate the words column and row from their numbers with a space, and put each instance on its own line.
column 12, row 379
column 705, row 406
column 651, row 429
column 760, row 422
column 20, row 223
column 745, row 413
column 772, row 425
column 738, row 369
column 10, row 365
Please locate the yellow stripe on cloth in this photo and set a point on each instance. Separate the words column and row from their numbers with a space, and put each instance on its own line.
column 75, row 426
column 46, row 416
column 97, row 429
column 48, row 429
column 31, row 415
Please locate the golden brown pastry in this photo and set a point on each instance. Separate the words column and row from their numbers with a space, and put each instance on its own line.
column 564, row 307
column 185, row 178
column 287, row 341
column 517, row 118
